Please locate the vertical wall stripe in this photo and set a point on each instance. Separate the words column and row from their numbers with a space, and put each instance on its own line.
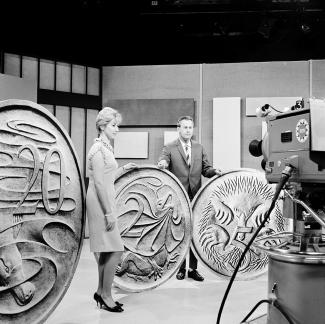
column 70, row 108
column 226, row 133
column 200, row 105
column 71, row 72
column 38, row 72
column 100, row 86
column 70, row 120
column 2, row 61
column 310, row 78
column 55, row 74
column 20, row 66
column 86, row 80
column 85, row 142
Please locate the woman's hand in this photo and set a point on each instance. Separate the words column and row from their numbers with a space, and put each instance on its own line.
column 162, row 164
column 218, row 172
column 110, row 222
column 130, row 166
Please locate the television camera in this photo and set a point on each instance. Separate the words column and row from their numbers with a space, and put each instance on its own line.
column 294, row 144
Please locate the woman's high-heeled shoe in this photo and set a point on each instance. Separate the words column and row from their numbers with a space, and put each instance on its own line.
column 115, row 309
column 98, row 300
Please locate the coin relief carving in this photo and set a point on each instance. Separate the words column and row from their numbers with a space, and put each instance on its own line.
column 227, row 212
column 154, row 219
column 41, row 212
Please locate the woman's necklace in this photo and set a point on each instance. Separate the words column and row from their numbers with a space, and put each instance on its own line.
column 106, row 144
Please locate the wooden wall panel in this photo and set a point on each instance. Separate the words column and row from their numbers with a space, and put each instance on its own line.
column 78, row 79
column 317, row 79
column 12, row 64
column 151, row 82
column 12, row 87
column 30, row 68
column 91, row 130
column 50, row 108
column 47, row 74
column 63, row 77
column 78, row 134
column 63, row 115
column 93, row 81
column 152, row 112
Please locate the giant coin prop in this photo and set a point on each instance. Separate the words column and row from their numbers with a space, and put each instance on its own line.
column 154, row 218
column 226, row 212
column 41, row 212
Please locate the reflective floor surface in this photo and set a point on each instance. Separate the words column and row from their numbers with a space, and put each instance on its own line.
column 175, row 301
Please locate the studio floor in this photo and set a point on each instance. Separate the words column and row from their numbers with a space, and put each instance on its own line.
column 175, row 301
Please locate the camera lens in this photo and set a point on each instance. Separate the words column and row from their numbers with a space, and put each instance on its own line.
column 255, row 148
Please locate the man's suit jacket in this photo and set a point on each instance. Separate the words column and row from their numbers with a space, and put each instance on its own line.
column 174, row 154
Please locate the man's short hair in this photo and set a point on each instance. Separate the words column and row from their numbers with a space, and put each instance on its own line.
column 184, row 118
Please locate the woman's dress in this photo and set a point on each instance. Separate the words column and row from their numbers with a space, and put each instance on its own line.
column 100, row 156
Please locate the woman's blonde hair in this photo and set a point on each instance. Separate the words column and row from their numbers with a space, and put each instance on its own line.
column 105, row 116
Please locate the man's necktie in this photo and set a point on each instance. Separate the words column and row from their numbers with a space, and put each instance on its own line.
column 187, row 153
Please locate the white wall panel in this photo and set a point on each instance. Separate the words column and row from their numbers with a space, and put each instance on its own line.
column 170, row 136
column 131, row 145
column 226, row 133
column 317, row 120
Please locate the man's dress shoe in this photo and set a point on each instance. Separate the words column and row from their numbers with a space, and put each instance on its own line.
column 194, row 275
column 180, row 275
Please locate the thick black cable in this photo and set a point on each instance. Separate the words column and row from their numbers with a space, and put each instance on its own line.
column 274, row 304
column 280, row 309
column 285, row 176
column 254, row 309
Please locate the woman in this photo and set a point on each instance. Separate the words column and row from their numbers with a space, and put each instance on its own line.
column 105, row 239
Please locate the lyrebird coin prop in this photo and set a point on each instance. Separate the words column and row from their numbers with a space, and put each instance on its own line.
column 154, row 218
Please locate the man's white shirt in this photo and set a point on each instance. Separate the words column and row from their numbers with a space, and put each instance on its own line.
column 189, row 145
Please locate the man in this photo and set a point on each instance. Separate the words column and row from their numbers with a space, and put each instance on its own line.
column 187, row 160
